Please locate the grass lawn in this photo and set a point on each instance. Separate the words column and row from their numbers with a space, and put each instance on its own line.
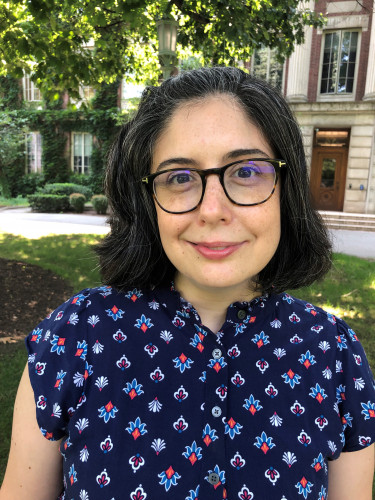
column 13, row 202
column 348, row 291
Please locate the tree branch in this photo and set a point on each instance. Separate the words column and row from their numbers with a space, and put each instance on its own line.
column 194, row 15
column 108, row 26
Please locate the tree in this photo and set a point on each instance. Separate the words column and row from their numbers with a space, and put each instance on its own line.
column 12, row 145
column 65, row 43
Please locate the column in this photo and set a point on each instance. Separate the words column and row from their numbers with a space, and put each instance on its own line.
column 299, row 67
column 370, row 75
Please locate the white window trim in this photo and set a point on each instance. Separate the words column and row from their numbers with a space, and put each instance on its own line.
column 343, row 96
column 72, row 152
column 29, row 86
column 37, row 156
column 268, row 68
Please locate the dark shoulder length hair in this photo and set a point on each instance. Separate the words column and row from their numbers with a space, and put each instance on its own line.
column 131, row 255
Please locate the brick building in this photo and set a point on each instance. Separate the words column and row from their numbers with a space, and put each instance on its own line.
column 330, row 83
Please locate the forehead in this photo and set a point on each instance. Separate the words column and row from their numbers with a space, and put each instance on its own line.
column 209, row 127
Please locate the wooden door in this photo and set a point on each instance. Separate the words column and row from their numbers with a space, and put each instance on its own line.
column 328, row 176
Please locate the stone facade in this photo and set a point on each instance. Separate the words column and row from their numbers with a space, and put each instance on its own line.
column 353, row 111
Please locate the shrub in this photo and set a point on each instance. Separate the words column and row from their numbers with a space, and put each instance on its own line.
column 66, row 188
column 77, row 202
column 48, row 202
column 80, row 179
column 100, row 203
column 30, row 183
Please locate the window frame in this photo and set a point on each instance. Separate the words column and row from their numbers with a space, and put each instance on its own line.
column 336, row 96
column 37, row 153
column 81, row 170
column 30, row 90
column 269, row 63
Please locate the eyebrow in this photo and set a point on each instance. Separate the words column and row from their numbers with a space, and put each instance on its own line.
column 232, row 155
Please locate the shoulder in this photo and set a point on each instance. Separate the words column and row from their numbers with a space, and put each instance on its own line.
column 298, row 311
column 319, row 325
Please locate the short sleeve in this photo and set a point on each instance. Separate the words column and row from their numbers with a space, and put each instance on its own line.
column 355, row 390
column 57, row 365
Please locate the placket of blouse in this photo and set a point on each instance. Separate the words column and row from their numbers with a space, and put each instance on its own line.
column 213, row 479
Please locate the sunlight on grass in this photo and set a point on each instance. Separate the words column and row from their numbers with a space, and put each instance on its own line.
column 69, row 256
column 341, row 312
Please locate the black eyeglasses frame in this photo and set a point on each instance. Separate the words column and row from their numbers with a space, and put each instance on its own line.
column 148, row 181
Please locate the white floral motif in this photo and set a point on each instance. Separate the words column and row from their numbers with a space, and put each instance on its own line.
column 289, row 458
column 73, row 319
column 83, row 495
column 279, row 353
column 155, row 405
column 332, row 446
column 101, row 382
column 276, row 323
column 359, row 383
column 93, row 320
column 81, row 424
column 327, row 373
column 158, row 445
column 324, row 346
column 276, row 420
column 153, row 305
column 56, row 411
column 97, row 347
column 167, row 336
column 84, row 454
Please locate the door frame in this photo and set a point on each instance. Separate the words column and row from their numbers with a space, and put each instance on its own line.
column 316, row 170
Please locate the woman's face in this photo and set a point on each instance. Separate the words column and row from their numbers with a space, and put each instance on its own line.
column 218, row 247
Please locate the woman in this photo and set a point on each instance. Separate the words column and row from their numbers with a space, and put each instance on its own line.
column 192, row 374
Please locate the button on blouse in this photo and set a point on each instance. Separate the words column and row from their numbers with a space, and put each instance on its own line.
column 149, row 403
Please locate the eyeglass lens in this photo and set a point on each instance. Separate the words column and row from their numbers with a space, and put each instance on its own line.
column 245, row 183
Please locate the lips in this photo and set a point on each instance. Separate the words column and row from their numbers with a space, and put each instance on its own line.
column 216, row 249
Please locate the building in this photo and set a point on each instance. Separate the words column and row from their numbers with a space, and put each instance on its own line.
column 79, row 144
column 330, row 83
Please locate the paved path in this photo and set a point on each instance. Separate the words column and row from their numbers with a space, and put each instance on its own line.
column 21, row 221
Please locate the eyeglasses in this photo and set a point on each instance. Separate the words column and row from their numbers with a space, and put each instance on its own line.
column 245, row 182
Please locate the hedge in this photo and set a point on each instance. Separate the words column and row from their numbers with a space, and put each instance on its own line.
column 66, row 188
column 49, row 202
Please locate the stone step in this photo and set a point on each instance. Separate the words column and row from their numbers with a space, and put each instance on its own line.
column 349, row 221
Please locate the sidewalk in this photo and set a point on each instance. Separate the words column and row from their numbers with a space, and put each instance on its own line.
column 23, row 222
column 32, row 225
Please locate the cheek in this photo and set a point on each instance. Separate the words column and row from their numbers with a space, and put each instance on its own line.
column 170, row 227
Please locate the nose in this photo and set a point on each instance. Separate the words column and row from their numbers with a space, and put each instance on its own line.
column 215, row 205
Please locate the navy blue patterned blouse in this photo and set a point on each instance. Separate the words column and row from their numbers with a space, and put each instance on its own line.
column 150, row 404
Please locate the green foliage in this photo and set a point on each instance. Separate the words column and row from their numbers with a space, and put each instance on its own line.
column 12, row 145
column 70, row 43
column 49, row 203
column 80, row 179
column 30, row 183
column 10, row 93
column 100, row 204
column 77, row 202
column 66, row 188
column 13, row 202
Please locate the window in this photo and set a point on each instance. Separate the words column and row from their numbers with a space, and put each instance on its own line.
column 86, row 92
column 81, row 153
column 33, row 152
column 339, row 62
column 265, row 65
column 30, row 92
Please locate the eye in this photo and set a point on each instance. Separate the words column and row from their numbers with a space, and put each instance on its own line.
column 245, row 170
column 179, row 177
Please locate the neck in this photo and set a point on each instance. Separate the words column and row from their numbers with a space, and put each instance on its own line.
column 212, row 304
